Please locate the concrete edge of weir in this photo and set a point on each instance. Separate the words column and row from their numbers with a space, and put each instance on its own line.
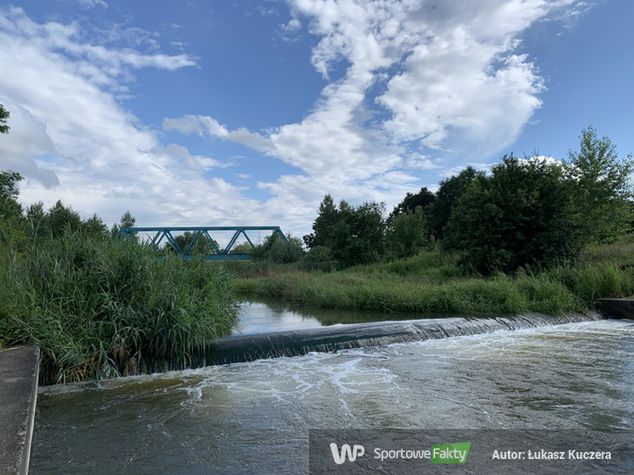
column 19, row 372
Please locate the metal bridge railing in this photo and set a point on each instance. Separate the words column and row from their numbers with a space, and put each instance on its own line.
column 199, row 236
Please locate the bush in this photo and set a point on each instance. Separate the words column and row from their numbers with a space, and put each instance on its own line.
column 278, row 250
column 522, row 215
column 407, row 234
column 102, row 308
column 318, row 258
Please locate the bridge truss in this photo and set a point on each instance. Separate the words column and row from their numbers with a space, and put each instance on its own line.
column 201, row 235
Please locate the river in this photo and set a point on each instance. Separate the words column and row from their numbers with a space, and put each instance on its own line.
column 254, row 417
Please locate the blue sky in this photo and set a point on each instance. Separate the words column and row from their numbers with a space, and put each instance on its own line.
column 249, row 112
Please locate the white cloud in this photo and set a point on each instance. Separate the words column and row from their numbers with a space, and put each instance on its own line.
column 73, row 141
column 413, row 85
column 453, row 87
column 93, row 3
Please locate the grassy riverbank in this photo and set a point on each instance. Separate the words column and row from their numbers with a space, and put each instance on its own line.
column 432, row 282
column 103, row 308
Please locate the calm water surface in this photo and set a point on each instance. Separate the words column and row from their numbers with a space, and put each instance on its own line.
column 254, row 417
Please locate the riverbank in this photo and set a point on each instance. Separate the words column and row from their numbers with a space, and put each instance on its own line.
column 432, row 283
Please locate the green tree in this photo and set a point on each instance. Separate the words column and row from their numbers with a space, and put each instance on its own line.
column 520, row 216
column 11, row 220
column 603, row 189
column 193, row 244
column 359, row 234
column 279, row 250
column 37, row 221
column 407, row 234
column 4, row 115
column 95, row 227
column 448, row 194
column 126, row 221
column 9, row 191
column 324, row 227
column 62, row 218
column 423, row 200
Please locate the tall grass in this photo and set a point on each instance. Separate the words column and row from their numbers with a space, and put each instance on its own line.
column 100, row 309
column 432, row 283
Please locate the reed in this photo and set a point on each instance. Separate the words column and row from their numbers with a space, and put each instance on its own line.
column 104, row 308
column 432, row 283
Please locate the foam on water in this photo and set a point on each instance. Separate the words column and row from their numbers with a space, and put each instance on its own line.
column 576, row 375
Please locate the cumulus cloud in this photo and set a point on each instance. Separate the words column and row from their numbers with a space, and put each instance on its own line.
column 73, row 141
column 412, row 86
column 427, row 85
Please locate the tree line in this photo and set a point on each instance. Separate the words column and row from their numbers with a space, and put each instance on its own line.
column 525, row 213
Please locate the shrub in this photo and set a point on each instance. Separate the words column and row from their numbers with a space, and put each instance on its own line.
column 318, row 258
column 522, row 215
column 407, row 234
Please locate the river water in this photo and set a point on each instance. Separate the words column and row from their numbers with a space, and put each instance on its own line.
column 254, row 417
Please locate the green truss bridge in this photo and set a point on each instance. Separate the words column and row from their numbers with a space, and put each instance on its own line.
column 187, row 241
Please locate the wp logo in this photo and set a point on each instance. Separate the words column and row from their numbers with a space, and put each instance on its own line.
column 346, row 452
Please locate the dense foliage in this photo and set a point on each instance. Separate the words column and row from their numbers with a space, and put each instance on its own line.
column 526, row 213
column 432, row 283
column 96, row 305
column 521, row 215
column 102, row 308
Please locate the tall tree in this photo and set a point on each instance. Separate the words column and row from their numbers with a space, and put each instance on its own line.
column 4, row 115
column 324, row 227
column 62, row 218
column 407, row 234
column 522, row 215
column 95, row 227
column 126, row 221
column 12, row 230
column 448, row 194
column 9, row 191
column 603, row 189
column 423, row 200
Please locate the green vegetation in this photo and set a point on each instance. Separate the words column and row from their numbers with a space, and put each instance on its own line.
column 530, row 236
column 96, row 305
column 433, row 283
column 527, row 214
column 104, row 308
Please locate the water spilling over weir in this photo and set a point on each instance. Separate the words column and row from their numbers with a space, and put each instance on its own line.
column 254, row 417
column 241, row 348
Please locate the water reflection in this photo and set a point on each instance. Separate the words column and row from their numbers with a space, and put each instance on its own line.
column 270, row 316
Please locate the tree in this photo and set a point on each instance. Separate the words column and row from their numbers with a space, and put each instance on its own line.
column 354, row 235
column 423, row 200
column 4, row 115
column 602, row 187
column 278, row 250
column 522, row 215
column 193, row 244
column 95, row 227
column 37, row 221
column 407, row 234
column 448, row 194
column 359, row 233
column 324, row 227
column 61, row 219
column 11, row 219
column 9, row 191
column 126, row 221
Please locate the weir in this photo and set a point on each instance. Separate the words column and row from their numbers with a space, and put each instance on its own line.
column 242, row 348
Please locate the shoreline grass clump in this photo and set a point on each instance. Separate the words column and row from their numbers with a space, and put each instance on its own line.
column 104, row 308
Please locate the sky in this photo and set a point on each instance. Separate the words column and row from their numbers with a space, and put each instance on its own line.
column 249, row 112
